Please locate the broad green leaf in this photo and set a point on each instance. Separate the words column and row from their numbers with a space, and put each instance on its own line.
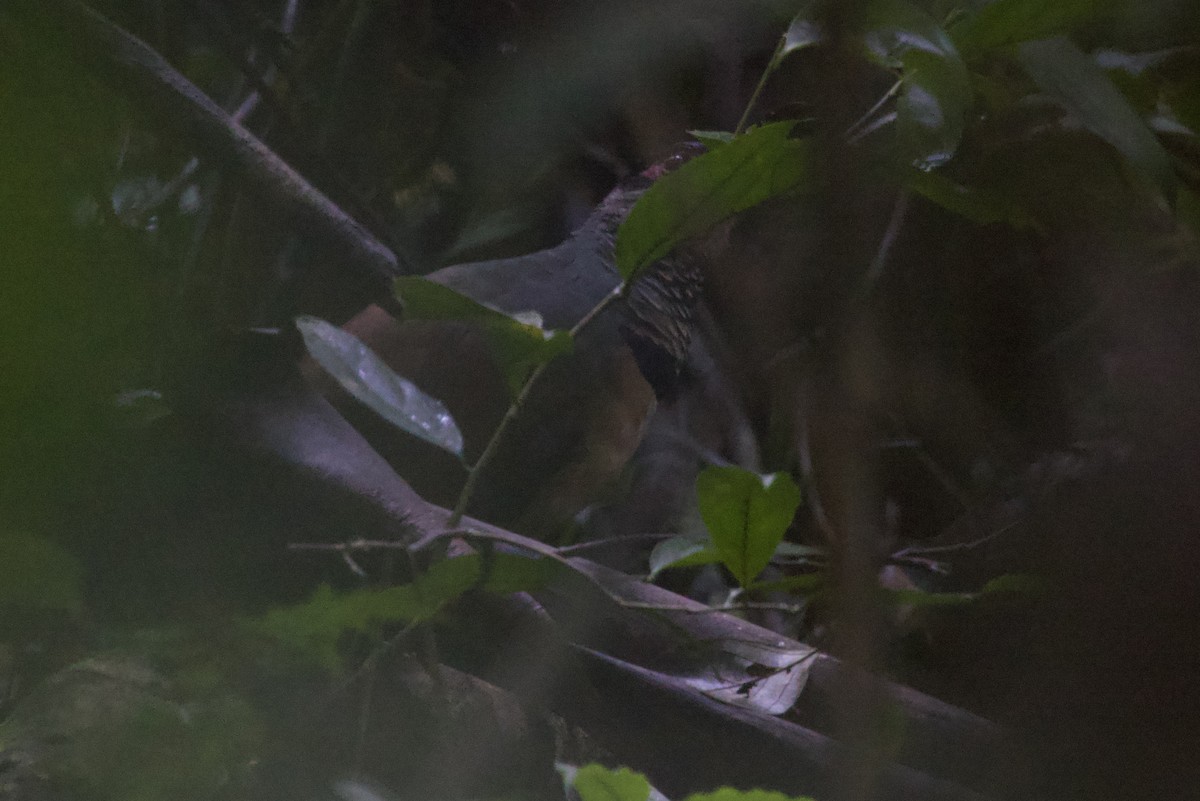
column 746, row 515
column 519, row 343
column 36, row 573
column 365, row 376
column 681, row 552
column 756, row 166
column 315, row 626
column 1066, row 74
column 936, row 93
column 730, row 794
column 1006, row 22
column 974, row 204
column 598, row 783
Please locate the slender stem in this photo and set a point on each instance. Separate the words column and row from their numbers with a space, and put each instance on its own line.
column 772, row 65
column 862, row 121
column 468, row 490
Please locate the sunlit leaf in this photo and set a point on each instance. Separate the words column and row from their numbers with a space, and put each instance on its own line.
column 1066, row 74
column 746, row 515
column 598, row 783
column 935, row 95
column 365, row 376
column 756, row 166
column 1006, row 22
column 519, row 342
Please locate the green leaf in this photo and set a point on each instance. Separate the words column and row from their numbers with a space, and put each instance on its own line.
column 598, row 783
column 977, row 205
column 681, row 552
column 758, row 165
column 365, row 376
column 730, row 794
column 36, row 573
column 1006, row 22
column 315, row 626
column 1066, row 74
column 746, row 515
column 935, row 94
column 506, row 573
column 712, row 139
column 519, row 342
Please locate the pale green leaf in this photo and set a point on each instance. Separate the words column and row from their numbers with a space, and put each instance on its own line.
column 681, row 552
column 365, row 376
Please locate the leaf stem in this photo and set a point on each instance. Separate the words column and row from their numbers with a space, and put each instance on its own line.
column 772, row 65
column 489, row 451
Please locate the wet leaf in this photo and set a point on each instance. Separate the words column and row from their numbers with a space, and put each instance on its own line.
column 365, row 376
column 935, row 94
column 803, row 31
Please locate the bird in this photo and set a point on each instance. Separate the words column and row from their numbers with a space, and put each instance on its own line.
column 586, row 416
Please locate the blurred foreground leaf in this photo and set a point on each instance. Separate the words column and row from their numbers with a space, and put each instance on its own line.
column 1066, row 74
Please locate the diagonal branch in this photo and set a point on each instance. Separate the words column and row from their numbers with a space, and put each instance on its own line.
column 154, row 87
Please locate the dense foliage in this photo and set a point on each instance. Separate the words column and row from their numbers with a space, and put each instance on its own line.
column 935, row 414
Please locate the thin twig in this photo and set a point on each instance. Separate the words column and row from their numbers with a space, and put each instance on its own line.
column 489, row 451
column 772, row 65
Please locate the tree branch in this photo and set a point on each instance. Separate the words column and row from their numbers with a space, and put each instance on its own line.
column 154, row 87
